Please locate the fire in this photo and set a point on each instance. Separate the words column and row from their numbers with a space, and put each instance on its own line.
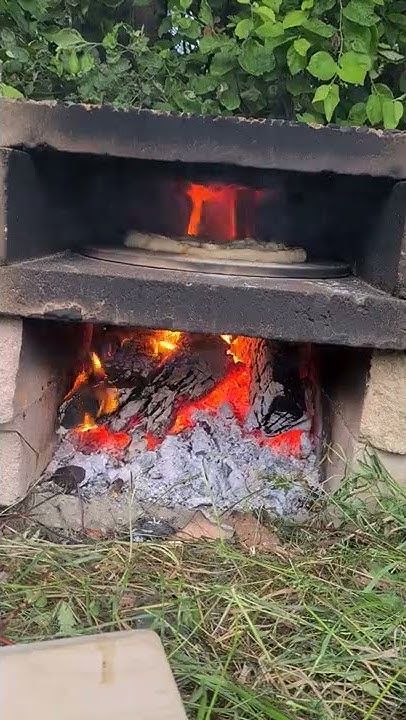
column 97, row 367
column 235, row 349
column 213, row 211
column 109, row 401
column 88, row 423
column 233, row 390
column 164, row 342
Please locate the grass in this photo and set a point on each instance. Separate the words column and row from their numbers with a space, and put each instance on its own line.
column 319, row 635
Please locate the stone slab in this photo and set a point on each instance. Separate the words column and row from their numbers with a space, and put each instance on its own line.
column 383, row 422
column 272, row 144
column 75, row 288
column 121, row 675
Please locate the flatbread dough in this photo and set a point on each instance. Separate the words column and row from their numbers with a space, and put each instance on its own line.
column 247, row 250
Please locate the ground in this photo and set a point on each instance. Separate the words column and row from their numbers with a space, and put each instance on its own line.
column 314, row 628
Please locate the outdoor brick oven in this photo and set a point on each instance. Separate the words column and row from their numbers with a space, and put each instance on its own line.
column 185, row 296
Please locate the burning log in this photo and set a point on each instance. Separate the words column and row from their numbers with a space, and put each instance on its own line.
column 75, row 408
column 185, row 376
column 278, row 401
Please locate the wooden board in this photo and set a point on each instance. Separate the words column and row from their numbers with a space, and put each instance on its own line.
column 121, row 675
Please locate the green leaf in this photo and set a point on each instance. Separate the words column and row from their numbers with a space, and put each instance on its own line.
column 398, row 19
column 73, row 63
column 244, row 2
column 294, row 18
column 374, row 109
column 331, row 101
column 265, row 13
column 384, row 90
column 392, row 112
column 65, row 618
column 275, row 5
column 296, row 62
column 391, row 55
column 210, row 43
column 322, row 65
column 307, row 4
column 353, row 67
column 87, row 63
column 310, row 118
column 266, row 30
column 222, row 63
column 318, row 27
column 360, row 12
column 67, row 38
column 321, row 93
column 18, row 53
column 271, row 30
column 203, row 84
column 205, row 13
column 193, row 30
column 243, row 28
column 357, row 37
column 7, row 37
column 8, row 91
column 255, row 59
column 229, row 96
column 185, row 4
column 298, row 85
column 358, row 114
column 301, row 46
column 323, row 6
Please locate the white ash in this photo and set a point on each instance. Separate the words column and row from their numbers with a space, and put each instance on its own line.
column 213, row 463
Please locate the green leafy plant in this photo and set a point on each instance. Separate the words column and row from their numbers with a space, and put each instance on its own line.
column 316, row 61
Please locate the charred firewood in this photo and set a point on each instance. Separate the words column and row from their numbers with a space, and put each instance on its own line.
column 185, row 376
column 278, row 393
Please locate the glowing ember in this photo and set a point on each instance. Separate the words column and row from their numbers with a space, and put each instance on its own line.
column 234, row 390
column 213, row 211
column 92, row 439
column 288, row 444
column 164, row 342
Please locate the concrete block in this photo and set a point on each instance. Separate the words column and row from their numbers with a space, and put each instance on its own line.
column 11, row 335
column 383, row 421
column 118, row 675
column 18, row 464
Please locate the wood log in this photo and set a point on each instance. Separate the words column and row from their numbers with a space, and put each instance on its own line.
column 185, row 376
column 278, row 395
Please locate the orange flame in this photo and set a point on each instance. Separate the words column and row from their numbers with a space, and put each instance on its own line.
column 164, row 342
column 97, row 367
column 213, row 211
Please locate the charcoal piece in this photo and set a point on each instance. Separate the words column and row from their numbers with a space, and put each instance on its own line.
column 68, row 478
column 73, row 410
column 153, row 528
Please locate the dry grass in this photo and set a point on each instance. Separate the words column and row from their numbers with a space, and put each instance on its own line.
column 322, row 635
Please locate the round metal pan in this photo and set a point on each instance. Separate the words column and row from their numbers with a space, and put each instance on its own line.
column 168, row 261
